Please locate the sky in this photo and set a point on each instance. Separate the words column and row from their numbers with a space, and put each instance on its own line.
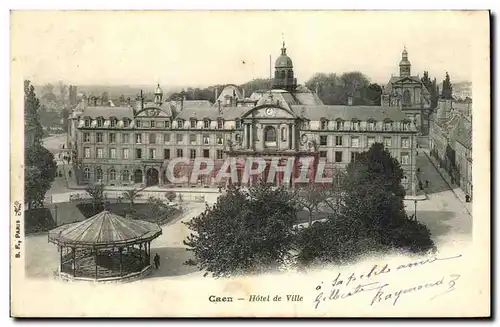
column 193, row 48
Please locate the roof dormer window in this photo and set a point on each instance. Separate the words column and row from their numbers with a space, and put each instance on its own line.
column 114, row 121
column 371, row 125
column 193, row 123
column 324, row 124
column 126, row 122
column 387, row 126
column 339, row 124
column 220, row 123
column 100, row 122
column 87, row 122
column 180, row 123
column 206, row 123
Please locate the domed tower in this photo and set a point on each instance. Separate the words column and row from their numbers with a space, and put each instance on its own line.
column 404, row 64
column 158, row 95
column 283, row 72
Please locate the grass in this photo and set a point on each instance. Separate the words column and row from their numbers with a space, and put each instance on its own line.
column 38, row 220
column 143, row 211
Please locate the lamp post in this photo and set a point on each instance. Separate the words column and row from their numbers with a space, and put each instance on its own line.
column 55, row 213
column 415, row 209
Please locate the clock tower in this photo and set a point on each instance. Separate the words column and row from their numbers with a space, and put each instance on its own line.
column 158, row 95
column 283, row 72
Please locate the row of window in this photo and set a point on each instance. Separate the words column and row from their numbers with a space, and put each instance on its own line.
column 338, row 157
column 355, row 141
column 153, row 138
column 356, row 125
column 139, row 154
column 113, row 122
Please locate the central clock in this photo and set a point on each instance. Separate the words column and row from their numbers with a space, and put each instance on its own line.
column 270, row 111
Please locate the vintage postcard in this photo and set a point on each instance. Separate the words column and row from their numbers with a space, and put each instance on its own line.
column 250, row 163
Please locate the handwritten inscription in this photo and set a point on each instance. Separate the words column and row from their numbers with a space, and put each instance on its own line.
column 343, row 287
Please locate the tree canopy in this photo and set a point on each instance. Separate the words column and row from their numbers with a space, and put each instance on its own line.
column 245, row 232
column 447, row 91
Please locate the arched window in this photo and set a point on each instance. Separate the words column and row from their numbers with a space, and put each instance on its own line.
column 290, row 73
column 98, row 174
column 138, row 176
column 125, row 175
column 112, row 174
column 269, row 134
column 86, row 173
column 283, row 74
column 406, row 98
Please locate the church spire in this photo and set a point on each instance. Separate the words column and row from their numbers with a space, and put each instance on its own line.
column 283, row 49
column 404, row 64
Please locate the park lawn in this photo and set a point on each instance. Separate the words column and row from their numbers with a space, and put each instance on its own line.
column 143, row 211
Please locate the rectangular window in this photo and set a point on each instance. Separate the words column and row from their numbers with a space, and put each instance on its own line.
column 323, row 140
column 98, row 137
column 192, row 139
column 113, row 122
column 166, row 138
column 138, row 153
column 338, row 156
column 354, row 156
column 193, row 123
column 220, row 154
column 138, row 138
column 355, row 125
column 167, row 123
column 238, row 124
column 283, row 134
column 206, row 123
column 166, row 153
column 220, row 139
column 371, row 126
column 112, row 138
column 370, row 142
column 100, row 122
column 206, row 140
column 206, row 153
column 387, row 142
column 355, row 142
column 324, row 124
column 405, row 142
column 220, row 124
column 179, row 153
column 87, row 122
column 152, row 124
column 387, row 126
column 322, row 154
column 87, row 152
column 152, row 138
column 126, row 123
column 405, row 158
column 125, row 138
column 138, row 123
column 152, row 153
column 192, row 153
column 179, row 138
column 86, row 137
column 125, row 153
column 112, row 153
column 338, row 140
column 100, row 153
column 340, row 125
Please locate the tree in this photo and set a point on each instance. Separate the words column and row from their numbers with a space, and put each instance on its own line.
column 374, row 94
column 40, row 166
column 244, row 232
column 96, row 191
column 132, row 195
column 156, row 206
column 105, row 98
column 65, row 117
column 447, row 91
column 374, row 195
column 63, row 88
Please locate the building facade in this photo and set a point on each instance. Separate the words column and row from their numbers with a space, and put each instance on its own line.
column 408, row 93
column 127, row 145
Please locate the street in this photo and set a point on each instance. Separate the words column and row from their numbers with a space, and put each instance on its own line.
column 443, row 213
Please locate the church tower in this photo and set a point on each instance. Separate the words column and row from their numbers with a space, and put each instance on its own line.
column 283, row 72
column 158, row 95
column 404, row 64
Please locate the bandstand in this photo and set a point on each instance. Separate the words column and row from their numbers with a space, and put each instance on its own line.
column 105, row 247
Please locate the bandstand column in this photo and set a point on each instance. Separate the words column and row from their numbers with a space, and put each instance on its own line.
column 140, row 253
column 61, row 262
column 121, row 262
column 95, row 254
column 149, row 253
column 74, row 262
column 245, row 135
column 293, row 136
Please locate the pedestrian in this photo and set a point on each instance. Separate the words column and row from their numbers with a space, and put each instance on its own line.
column 69, row 173
column 426, row 183
column 418, row 170
column 157, row 261
column 420, row 185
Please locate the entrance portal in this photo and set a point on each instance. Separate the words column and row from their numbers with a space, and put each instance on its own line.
column 151, row 177
column 138, row 176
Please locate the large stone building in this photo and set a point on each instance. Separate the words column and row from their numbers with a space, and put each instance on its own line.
column 408, row 93
column 133, row 145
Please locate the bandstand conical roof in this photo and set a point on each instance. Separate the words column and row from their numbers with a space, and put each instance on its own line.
column 104, row 229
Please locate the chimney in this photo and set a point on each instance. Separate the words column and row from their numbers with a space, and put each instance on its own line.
column 244, row 94
column 219, row 107
column 95, row 101
column 216, row 93
column 182, row 102
column 349, row 100
column 142, row 101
